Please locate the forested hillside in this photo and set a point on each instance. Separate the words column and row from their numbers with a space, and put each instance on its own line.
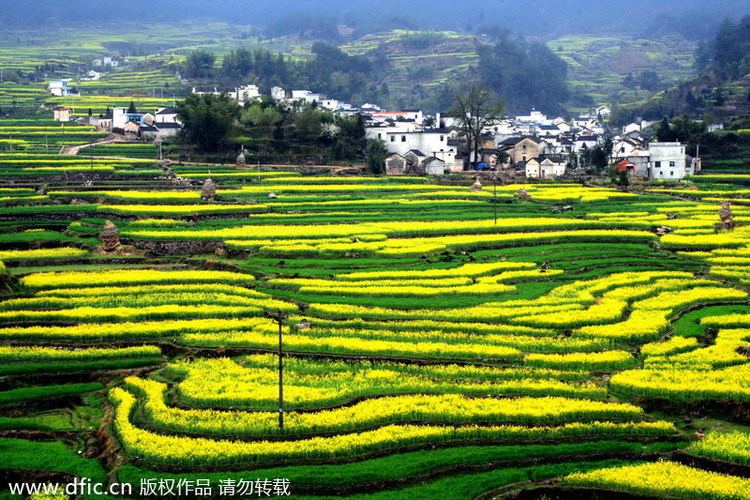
column 720, row 92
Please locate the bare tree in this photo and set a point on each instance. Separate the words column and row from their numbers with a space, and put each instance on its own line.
column 475, row 109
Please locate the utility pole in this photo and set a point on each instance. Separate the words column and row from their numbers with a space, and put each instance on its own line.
column 279, row 318
column 494, row 189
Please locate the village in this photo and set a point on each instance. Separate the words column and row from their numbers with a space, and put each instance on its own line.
column 534, row 146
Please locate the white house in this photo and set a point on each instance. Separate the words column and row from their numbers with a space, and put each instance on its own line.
column 535, row 117
column 214, row 92
column 546, row 167
column 668, row 161
column 61, row 114
column 60, row 88
column 167, row 129
column 246, row 93
column 631, row 127
column 434, row 166
column 585, row 142
column 380, row 131
column 93, row 76
column 604, row 112
column 306, row 95
column 433, row 143
column 278, row 93
column 330, row 104
column 625, row 147
column 166, row 115
column 415, row 116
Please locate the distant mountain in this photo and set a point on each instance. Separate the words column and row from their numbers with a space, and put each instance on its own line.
column 543, row 18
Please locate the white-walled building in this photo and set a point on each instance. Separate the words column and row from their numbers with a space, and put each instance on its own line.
column 61, row 114
column 278, row 93
column 631, row 127
column 668, row 161
column 306, row 96
column 167, row 115
column 60, row 88
column 625, row 147
column 246, row 93
column 663, row 160
column 535, row 117
column 432, row 143
column 93, row 76
column 546, row 167
column 380, row 131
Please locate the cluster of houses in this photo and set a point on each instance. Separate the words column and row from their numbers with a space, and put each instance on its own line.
column 249, row 93
column 162, row 123
column 535, row 146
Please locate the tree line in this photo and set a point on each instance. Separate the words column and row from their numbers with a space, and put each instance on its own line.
column 330, row 71
column 271, row 132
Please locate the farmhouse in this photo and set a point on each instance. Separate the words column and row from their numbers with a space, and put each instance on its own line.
column 278, row 93
column 522, row 149
column 61, row 114
column 396, row 164
column 662, row 160
column 93, row 76
column 584, row 142
column 167, row 129
column 546, row 167
column 60, row 88
column 166, row 115
column 103, row 121
column 668, row 161
column 246, row 93
column 432, row 142
column 434, row 166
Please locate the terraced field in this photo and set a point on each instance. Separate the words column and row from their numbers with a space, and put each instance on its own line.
column 429, row 350
column 598, row 65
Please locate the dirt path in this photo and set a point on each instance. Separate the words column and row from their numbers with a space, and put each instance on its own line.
column 74, row 150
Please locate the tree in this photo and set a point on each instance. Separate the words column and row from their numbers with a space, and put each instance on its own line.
column 664, row 132
column 199, row 64
column 132, row 108
column 599, row 159
column 649, row 80
column 209, row 121
column 375, row 155
column 573, row 160
column 475, row 109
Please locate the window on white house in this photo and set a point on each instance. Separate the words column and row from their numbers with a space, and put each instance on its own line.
column 403, row 138
column 672, row 164
column 442, row 138
column 380, row 136
column 393, row 138
column 657, row 164
column 671, row 173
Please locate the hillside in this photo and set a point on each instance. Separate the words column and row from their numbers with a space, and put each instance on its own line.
column 599, row 65
column 420, row 64
column 417, row 68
